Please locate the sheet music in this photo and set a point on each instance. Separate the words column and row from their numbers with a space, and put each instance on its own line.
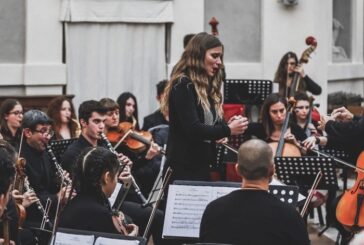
column 73, row 239
column 114, row 195
column 110, row 241
column 185, row 206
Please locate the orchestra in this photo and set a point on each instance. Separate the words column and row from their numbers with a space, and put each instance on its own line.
column 112, row 154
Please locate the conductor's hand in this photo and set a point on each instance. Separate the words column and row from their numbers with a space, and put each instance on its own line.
column 238, row 125
column 342, row 114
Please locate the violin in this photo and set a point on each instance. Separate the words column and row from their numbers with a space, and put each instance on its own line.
column 349, row 211
column 19, row 185
column 136, row 141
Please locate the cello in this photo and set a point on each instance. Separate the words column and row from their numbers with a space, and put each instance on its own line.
column 349, row 211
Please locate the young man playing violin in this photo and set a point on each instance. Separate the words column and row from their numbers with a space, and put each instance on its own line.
column 144, row 170
column 93, row 118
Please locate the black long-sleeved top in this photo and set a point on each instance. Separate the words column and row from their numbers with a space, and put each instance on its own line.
column 42, row 178
column 306, row 84
column 87, row 212
column 252, row 217
column 348, row 136
column 191, row 143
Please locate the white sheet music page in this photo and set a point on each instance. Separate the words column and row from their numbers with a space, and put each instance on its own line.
column 185, row 206
column 73, row 239
column 114, row 195
column 110, row 241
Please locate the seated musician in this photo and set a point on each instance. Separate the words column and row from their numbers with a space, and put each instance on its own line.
column 273, row 115
column 95, row 178
column 64, row 122
column 287, row 67
column 92, row 116
column 39, row 169
column 156, row 118
column 300, row 116
column 252, row 215
column 7, row 172
column 11, row 115
column 144, row 170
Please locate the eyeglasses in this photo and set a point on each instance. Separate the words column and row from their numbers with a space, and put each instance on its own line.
column 16, row 113
column 45, row 132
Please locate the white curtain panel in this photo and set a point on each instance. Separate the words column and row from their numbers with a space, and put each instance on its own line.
column 107, row 59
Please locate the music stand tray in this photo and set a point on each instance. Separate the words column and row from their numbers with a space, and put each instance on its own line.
column 302, row 171
column 60, row 146
column 246, row 91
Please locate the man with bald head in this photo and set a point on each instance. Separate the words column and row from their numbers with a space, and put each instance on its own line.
column 251, row 215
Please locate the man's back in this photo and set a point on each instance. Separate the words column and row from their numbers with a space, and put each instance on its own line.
column 252, row 217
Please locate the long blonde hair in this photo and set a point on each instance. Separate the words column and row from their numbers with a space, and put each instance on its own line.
column 192, row 65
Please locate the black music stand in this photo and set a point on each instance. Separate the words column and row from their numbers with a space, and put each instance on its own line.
column 301, row 171
column 341, row 154
column 246, row 91
column 60, row 146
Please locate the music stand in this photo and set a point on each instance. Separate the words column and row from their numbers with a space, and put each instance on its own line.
column 60, row 146
column 341, row 154
column 302, row 171
column 246, row 91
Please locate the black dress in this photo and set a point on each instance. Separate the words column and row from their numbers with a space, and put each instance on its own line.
column 191, row 140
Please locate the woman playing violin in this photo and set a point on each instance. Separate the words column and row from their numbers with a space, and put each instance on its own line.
column 95, row 177
column 128, row 107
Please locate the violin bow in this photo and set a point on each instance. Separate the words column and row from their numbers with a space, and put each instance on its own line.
column 310, row 195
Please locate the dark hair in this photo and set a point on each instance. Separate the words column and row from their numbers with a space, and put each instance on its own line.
column 255, row 159
column 281, row 73
column 109, row 104
column 88, row 107
column 91, row 164
column 265, row 116
column 299, row 96
column 34, row 117
column 122, row 103
column 7, row 168
column 54, row 108
column 5, row 108
column 187, row 38
column 160, row 87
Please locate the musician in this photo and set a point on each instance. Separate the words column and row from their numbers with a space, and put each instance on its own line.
column 40, row 170
column 252, row 215
column 92, row 115
column 287, row 67
column 96, row 176
column 7, row 172
column 64, row 122
column 128, row 107
column 300, row 116
column 273, row 115
column 193, row 102
column 157, row 117
column 143, row 170
column 11, row 115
